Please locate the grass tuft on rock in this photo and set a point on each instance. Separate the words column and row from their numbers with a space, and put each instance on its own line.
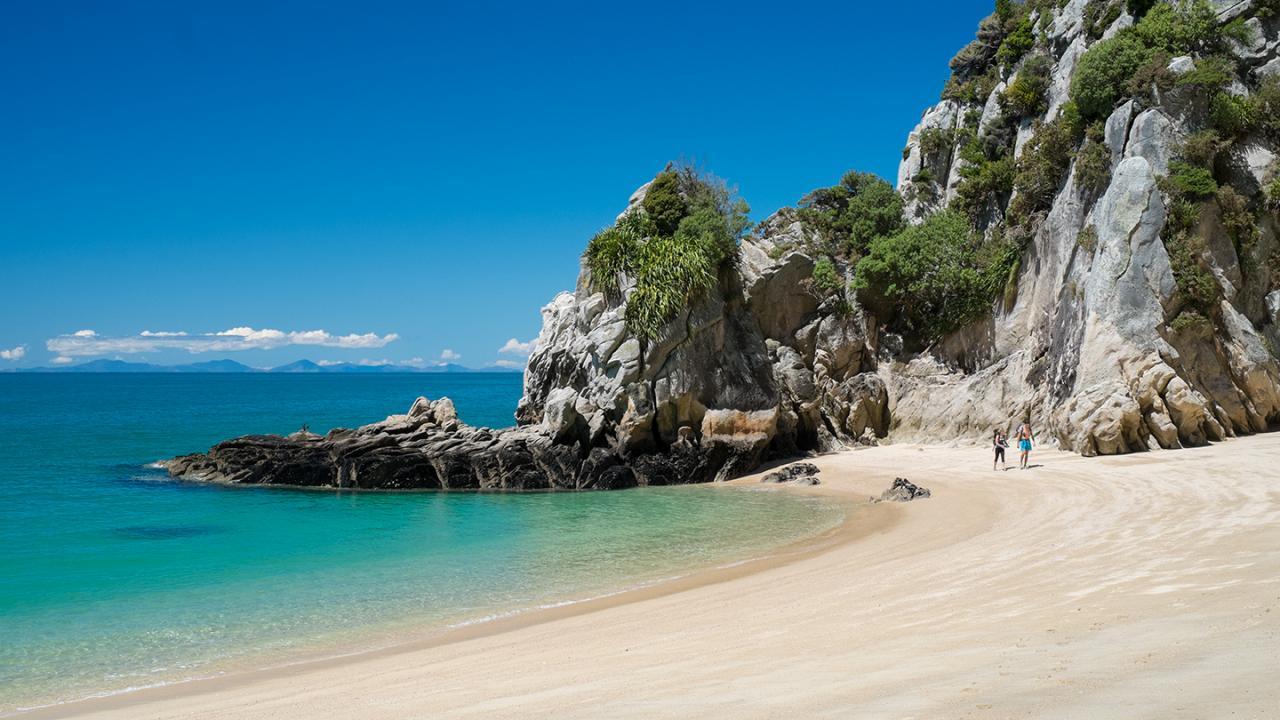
column 672, row 248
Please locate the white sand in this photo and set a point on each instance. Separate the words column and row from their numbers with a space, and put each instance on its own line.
column 1145, row 586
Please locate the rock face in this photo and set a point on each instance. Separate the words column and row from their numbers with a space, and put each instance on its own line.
column 1090, row 350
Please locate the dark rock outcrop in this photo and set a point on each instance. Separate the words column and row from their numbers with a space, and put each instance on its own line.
column 426, row 449
column 903, row 490
column 797, row 473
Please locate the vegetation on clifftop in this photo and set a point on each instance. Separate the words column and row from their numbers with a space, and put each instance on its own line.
column 672, row 249
column 937, row 276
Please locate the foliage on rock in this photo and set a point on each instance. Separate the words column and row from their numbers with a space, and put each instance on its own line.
column 1026, row 95
column 673, row 250
column 935, row 277
column 1044, row 163
column 848, row 216
column 1108, row 70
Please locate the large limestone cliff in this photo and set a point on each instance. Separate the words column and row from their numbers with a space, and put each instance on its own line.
column 756, row 368
column 1092, row 348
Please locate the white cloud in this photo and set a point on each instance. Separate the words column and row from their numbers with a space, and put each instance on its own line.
column 449, row 356
column 62, row 360
column 515, row 347
column 87, row 343
column 366, row 362
column 512, row 364
column 14, row 354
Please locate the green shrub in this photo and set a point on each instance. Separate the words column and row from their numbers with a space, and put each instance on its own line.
column 974, row 90
column 1272, row 194
column 979, row 183
column 1211, row 73
column 1093, row 167
column 1043, row 164
column 848, row 216
column 1153, row 77
column 664, row 204
column 1189, row 181
column 1103, row 73
column 670, row 269
column 1231, row 116
column 1265, row 103
column 1099, row 15
column 1006, row 10
column 1183, row 214
column 1018, row 42
column 975, row 58
column 1201, row 149
column 974, row 72
column 1196, row 285
column 1087, row 238
column 1129, row 59
column 935, row 142
column 1025, row 96
column 1185, row 186
column 1192, row 322
column 937, row 275
column 825, row 280
column 1239, row 221
column 1189, row 26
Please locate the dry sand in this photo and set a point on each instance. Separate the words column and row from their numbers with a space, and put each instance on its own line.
column 1145, row 586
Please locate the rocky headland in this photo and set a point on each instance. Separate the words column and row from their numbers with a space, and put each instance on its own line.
column 1083, row 233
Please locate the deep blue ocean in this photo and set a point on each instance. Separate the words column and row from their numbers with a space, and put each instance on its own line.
column 113, row 576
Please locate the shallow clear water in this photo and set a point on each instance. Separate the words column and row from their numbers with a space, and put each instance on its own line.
column 113, row 576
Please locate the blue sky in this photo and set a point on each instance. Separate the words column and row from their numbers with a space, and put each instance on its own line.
column 400, row 181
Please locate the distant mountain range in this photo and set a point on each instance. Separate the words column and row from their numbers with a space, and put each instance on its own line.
column 231, row 366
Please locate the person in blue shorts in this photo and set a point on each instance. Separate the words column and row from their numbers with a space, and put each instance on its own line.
column 1025, row 438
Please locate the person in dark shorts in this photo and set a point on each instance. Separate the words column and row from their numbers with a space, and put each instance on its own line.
column 1000, row 444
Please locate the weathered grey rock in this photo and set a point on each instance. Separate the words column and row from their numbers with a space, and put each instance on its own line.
column 798, row 473
column 903, row 490
column 1087, row 350
column 1117, row 131
column 1154, row 137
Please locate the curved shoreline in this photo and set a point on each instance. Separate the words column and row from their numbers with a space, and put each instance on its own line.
column 1132, row 586
column 845, row 531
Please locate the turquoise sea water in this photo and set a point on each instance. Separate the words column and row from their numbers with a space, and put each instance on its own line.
column 113, row 576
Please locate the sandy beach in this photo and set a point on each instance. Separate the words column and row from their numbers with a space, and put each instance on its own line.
column 1129, row 587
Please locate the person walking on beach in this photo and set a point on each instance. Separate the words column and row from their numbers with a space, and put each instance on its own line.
column 1025, row 438
column 1000, row 444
